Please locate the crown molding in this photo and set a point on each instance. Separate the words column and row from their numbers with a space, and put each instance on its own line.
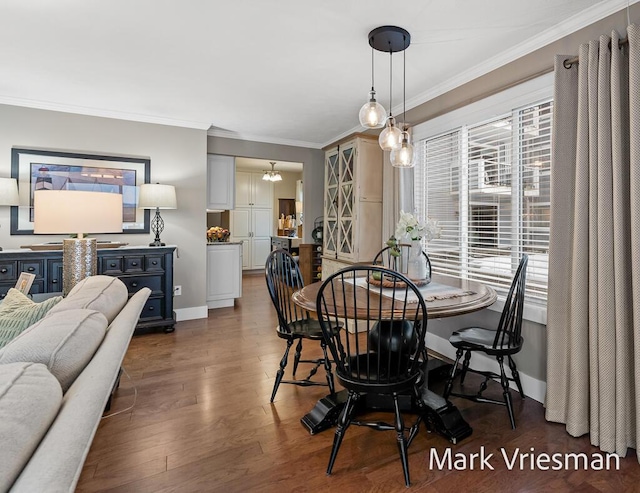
column 571, row 25
column 102, row 113
column 227, row 134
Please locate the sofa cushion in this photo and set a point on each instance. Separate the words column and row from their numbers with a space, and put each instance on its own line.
column 103, row 293
column 63, row 341
column 17, row 312
column 29, row 401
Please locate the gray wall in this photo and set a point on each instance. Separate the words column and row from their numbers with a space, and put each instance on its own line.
column 178, row 157
column 312, row 171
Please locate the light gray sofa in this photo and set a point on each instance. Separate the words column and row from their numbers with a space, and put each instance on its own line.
column 55, row 461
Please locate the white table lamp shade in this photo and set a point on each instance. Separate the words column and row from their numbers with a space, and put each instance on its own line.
column 155, row 195
column 9, row 191
column 72, row 211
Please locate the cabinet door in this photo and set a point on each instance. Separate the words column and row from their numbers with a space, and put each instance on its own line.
column 346, row 202
column 224, row 272
column 260, row 249
column 241, row 223
column 262, row 223
column 262, row 191
column 331, row 175
column 243, row 189
column 221, row 172
column 246, row 254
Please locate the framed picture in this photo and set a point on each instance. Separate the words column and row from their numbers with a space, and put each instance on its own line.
column 52, row 170
column 24, row 282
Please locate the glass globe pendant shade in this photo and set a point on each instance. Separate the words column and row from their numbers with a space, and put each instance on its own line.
column 372, row 114
column 404, row 155
column 390, row 137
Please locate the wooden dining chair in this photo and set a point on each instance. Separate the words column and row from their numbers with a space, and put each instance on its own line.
column 389, row 259
column 380, row 350
column 505, row 341
column 294, row 324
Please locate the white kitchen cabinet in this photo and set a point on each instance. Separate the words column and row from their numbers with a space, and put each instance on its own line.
column 352, row 203
column 221, row 188
column 253, row 191
column 224, row 274
column 253, row 227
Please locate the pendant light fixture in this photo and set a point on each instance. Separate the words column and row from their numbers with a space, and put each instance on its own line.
column 372, row 114
column 404, row 155
column 390, row 39
column 272, row 175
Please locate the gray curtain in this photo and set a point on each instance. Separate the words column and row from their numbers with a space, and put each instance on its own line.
column 593, row 319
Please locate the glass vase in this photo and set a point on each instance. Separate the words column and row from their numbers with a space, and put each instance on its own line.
column 417, row 264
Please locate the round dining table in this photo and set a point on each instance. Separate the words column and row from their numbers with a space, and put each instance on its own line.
column 472, row 296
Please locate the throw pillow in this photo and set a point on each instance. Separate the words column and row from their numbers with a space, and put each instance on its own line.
column 17, row 312
column 64, row 341
column 103, row 293
column 29, row 401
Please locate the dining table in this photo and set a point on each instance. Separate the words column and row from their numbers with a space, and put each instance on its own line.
column 444, row 297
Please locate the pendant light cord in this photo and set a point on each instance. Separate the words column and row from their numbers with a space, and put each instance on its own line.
column 404, row 85
column 372, row 79
column 390, row 80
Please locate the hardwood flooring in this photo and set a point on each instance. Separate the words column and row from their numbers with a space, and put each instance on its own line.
column 202, row 422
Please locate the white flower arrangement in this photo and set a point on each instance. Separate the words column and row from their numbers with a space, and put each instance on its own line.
column 409, row 225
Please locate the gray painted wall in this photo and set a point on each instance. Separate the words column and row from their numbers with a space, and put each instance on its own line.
column 312, row 171
column 178, row 157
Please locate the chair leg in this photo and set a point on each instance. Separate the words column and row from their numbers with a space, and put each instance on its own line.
column 465, row 366
column 343, row 423
column 280, row 372
column 402, row 442
column 506, row 392
column 296, row 358
column 327, row 368
column 515, row 375
column 452, row 375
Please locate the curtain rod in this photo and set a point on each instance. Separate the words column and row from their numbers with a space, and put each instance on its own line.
column 570, row 61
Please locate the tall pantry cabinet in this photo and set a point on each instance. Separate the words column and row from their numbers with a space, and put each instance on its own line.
column 251, row 222
column 352, row 203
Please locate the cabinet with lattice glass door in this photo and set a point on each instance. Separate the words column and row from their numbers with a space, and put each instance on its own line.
column 352, row 203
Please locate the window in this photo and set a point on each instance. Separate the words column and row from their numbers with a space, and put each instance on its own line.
column 487, row 184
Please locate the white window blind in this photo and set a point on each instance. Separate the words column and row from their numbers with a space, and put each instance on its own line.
column 488, row 186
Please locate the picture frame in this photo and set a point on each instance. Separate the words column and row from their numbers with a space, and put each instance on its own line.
column 24, row 282
column 37, row 169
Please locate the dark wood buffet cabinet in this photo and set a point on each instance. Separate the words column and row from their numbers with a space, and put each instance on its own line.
column 137, row 267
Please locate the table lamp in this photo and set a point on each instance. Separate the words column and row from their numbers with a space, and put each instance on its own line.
column 157, row 196
column 77, row 212
column 9, row 192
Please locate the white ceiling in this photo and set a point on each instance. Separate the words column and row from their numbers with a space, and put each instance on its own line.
column 286, row 71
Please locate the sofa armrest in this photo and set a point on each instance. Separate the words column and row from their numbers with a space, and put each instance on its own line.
column 57, row 463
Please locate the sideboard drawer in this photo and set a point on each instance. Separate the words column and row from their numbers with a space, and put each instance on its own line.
column 36, row 288
column 153, row 309
column 135, row 283
column 133, row 264
column 8, row 270
column 35, row 267
column 110, row 266
column 153, row 263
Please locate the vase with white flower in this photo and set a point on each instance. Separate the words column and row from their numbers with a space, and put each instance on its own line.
column 412, row 230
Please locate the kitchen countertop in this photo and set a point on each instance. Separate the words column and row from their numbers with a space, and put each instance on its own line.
column 215, row 243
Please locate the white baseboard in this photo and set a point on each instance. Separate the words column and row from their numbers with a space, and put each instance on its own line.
column 191, row 313
column 220, row 303
column 534, row 388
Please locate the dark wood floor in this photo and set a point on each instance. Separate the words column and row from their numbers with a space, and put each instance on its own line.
column 203, row 422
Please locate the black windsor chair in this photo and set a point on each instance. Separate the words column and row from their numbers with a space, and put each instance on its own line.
column 294, row 324
column 503, row 342
column 379, row 350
